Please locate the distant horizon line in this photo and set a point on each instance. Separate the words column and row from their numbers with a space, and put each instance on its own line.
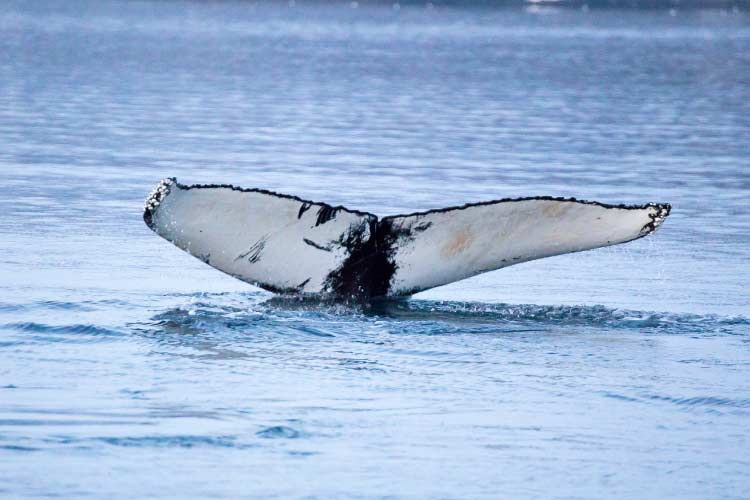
column 598, row 4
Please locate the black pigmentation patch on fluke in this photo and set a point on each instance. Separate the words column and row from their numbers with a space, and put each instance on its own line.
column 303, row 208
column 326, row 213
column 356, row 278
column 367, row 272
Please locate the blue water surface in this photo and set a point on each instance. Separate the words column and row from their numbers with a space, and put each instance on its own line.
column 129, row 369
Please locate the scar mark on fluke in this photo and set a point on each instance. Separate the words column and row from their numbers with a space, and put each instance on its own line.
column 315, row 245
column 302, row 285
column 422, row 226
column 253, row 254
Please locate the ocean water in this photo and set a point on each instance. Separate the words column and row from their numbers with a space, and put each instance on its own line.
column 129, row 369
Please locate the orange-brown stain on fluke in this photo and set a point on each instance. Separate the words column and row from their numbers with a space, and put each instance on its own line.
column 554, row 210
column 457, row 244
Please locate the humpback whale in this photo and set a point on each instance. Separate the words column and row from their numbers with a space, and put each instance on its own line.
column 288, row 245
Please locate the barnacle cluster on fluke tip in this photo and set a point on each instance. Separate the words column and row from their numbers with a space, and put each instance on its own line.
column 154, row 199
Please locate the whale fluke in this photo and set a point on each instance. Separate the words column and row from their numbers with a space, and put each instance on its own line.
column 289, row 245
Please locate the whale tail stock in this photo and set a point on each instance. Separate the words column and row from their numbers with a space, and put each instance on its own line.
column 289, row 245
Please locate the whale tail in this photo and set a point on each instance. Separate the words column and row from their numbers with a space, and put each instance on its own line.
column 289, row 245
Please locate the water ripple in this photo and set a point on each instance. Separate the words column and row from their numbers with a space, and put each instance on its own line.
column 174, row 441
column 436, row 317
column 704, row 401
column 61, row 333
column 562, row 316
column 279, row 431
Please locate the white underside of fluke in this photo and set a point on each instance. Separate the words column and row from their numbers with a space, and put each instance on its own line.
column 457, row 244
column 254, row 236
column 289, row 245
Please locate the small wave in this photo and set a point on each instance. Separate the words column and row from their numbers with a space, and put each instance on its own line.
column 14, row 447
column 712, row 404
column 525, row 315
column 161, row 441
column 256, row 316
column 152, row 441
column 59, row 305
column 244, row 313
column 46, row 304
column 42, row 332
column 279, row 431
column 704, row 401
column 27, row 422
column 41, row 327
column 173, row 441
column 5, row 307
column 578, row 316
